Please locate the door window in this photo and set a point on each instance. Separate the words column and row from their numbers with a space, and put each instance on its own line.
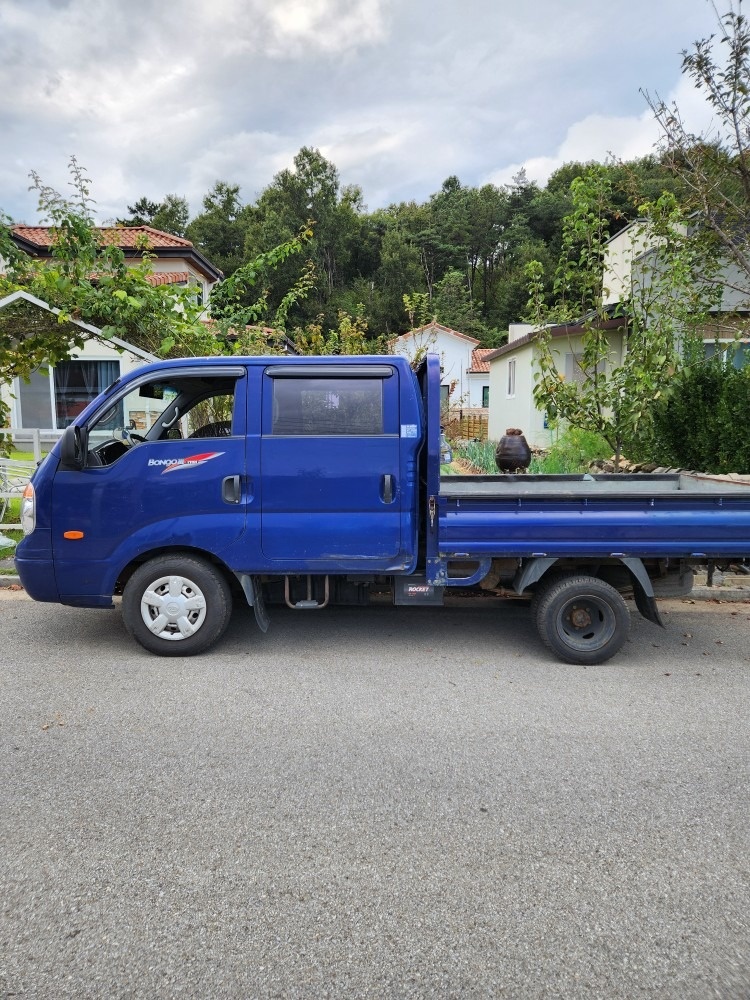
column 327, row 406
column 164, row 410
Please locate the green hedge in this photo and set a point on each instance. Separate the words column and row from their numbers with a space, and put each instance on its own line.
column 703, row 426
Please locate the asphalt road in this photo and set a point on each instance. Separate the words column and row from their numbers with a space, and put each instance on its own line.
column 374, row 803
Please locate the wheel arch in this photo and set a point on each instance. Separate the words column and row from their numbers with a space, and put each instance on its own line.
column 544, row 568
column 171, row 550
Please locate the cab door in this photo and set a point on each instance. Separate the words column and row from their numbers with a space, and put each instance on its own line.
column 330, row 449
column 169, row 477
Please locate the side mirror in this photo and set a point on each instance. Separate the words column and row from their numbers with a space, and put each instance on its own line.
column 73, row 446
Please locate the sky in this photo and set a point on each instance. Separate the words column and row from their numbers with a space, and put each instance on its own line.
column 157, row 98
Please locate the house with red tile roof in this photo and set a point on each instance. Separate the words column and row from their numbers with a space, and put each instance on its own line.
column 51, row 399
column 174, row 260
column 463, row 363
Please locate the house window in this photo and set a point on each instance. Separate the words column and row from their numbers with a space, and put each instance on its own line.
column 574, row 372
column 76, row 383
column 445, row 391
column 35, row 400
column 54, row 397
column 511, row 377
column 740, row 354
column 485, row 396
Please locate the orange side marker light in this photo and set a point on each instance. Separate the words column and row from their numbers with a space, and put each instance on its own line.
column 73, row 534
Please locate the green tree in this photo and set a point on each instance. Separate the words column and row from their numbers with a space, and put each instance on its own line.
column 669, row 296
column 349, row 336
column 714, row 168
column 220, row 230
column 170, row 215
column 399, row 267
column 310, row 195
column 141, row 213
column 453, row 305
column 29, row 339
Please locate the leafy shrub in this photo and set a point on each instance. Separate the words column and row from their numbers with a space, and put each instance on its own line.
column 573, row 452
column 702, row 426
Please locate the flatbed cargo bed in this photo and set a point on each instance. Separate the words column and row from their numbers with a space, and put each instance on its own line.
column 594, row 486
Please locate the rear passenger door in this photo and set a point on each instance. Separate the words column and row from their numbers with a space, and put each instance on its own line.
column 330, row 468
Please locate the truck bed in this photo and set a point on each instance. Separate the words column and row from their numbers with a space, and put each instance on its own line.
column 590, row 485
column 663, row 516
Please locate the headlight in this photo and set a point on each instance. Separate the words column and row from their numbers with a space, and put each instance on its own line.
column 28, row 510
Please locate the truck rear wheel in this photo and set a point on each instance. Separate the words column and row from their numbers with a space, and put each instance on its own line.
column 582, row 619
column 176, row 605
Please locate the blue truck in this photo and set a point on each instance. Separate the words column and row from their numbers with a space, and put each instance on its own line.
column 189, row 484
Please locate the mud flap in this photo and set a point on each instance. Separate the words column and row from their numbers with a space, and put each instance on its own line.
column 643, row 591
column 533, row 570
column 254, row 595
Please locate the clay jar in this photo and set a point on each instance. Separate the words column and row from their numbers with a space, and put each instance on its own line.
column 513, row 453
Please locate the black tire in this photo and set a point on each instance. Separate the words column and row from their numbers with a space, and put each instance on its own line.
column 550, row 578
column 176, row 605
column 582, row 619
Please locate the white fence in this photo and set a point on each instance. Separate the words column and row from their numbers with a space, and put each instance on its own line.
column 35, row 439
column 14, row 475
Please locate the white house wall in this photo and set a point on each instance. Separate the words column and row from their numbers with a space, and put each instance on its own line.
column 455, row 362
column 477, row 381
column 622, row 252
column 519, row 410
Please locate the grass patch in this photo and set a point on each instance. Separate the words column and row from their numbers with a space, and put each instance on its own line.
column 8, row 551
column 12, row 516
column 572, row 453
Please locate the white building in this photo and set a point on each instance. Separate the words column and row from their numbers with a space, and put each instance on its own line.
column 465, row 375
column 43, row 407
column 512, row 369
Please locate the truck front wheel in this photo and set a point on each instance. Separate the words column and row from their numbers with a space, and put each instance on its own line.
column 582, row 619
column 176, row 605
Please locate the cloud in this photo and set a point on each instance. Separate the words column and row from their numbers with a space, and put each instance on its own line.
column 601, row 137
column 399, row 95
column 329, row 25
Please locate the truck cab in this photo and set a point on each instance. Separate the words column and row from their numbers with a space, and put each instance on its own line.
column 272, row 466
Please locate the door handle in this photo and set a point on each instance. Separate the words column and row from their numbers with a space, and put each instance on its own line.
column 387, row 488
column 230, row 489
